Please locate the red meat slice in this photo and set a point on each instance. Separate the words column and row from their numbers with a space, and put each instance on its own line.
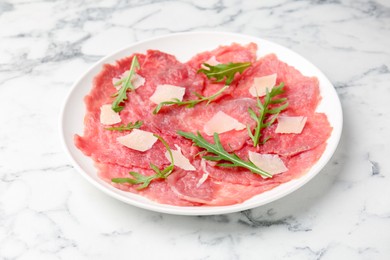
column 100, row 144
column 158, row 190
column 193, row 120
column 303, row 92
column 316, row 131
column 223, row 54
column 297, row 166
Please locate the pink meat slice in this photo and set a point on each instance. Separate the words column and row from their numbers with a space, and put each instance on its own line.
column 297, row 166
column 158, row 190
column 100, row 144
column 316, row 131
column 303, row 92
column 223, row 54
column 194, row 119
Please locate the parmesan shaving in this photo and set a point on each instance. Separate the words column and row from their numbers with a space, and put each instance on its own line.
column 167, row 93
column 211, row 61
column 290, row 124
column 109, row 116
column 205, row 174
column 138, row 140
column 221, row 123
column 136, row 80
column 261, row 84
column 180, row 160
column 268, row 162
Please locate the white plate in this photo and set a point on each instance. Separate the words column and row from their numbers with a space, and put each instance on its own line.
column 184, row 46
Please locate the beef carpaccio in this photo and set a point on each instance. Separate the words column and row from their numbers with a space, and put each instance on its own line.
column 205, row 183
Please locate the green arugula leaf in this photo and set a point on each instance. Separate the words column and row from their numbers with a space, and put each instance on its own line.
column 121, row 94
column 221, row 71
column 128, row 127
column 190, row 103
column 146, row 180
column 220, row 154
column 262, row 117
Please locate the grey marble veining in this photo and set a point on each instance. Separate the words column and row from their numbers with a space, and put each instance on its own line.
column 47, row 211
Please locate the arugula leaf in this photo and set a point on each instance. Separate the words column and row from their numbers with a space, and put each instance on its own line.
column 190, row 103
column 220, row 154
column 262, row 116
column 138, row 178
column 128, row 127
column 221, row 71
column 121, row 95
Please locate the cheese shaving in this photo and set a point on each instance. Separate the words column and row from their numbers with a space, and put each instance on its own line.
column 180, row 160
column 268, row 162
column 137, row 80
column 261, row 84
column 109, row 116
column 221, row 123
column 138, row 140
column 290, row 124
column 167, row 93
column 205, row 174
column 211, row 61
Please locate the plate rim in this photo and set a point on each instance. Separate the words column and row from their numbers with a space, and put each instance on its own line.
column 204, row 210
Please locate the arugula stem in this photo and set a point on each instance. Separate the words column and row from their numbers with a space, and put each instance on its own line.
column 190, row 103
column 128, row 127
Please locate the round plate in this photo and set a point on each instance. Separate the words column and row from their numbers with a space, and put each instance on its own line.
column 184, row 46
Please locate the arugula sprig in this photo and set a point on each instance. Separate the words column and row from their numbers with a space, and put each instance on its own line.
column 121, row 94
column 128, row 127
column 138, row 178
column 190, row 103
column 221, row 71
column 220, row 154
column 262, row 118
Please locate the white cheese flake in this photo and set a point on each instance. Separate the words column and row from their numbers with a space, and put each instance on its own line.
column 260, row 84
column 167, row 93
column 109, row 116
column 137, row 80
column 211, row 61
column 180, row 160
column 138, row 140
column 205, row 174
column 221, row 123
column 290, row 124
column 268, row 162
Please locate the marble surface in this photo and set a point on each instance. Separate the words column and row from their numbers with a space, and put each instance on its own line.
column 48, row 211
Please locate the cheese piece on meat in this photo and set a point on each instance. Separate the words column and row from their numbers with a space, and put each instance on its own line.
column 221, row 123
column 260, row 84
column 136, row 80
column 180, row 160
column 211, row 61
column 108, row 116
column 138, row 140
column 290, row 124
column 268, row 162
column 167, row 93
column 205, row 173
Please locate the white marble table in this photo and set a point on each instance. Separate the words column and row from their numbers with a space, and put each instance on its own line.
column 48, row 211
